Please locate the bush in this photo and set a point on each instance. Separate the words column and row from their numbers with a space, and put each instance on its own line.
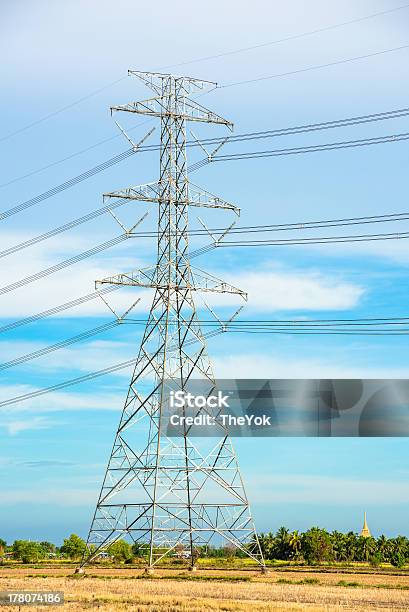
column 73, row 547
column 398, row 559
column 375, row 560
column 28, row 552
column 121, row 551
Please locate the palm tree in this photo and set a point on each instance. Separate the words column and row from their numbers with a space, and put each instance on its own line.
column 295, row 544
column 266, row 541
column 282, row 543
column 366, row 547
column 339, row 546
column 382, row 545
column 351, row 546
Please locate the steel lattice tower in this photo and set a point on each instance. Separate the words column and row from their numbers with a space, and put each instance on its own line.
column 170, row 492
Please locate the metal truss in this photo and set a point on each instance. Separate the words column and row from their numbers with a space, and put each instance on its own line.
column 162, row 491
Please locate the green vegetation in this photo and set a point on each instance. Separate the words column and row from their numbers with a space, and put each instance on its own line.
column 319, row 546
column 313, row 547
column 73, row 547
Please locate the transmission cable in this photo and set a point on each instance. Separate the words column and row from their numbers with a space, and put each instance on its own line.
column 287, row 38
column 345, row 144
column 226, row 244
column 89, row 376
column 130, row 362
column 61, row 110
column 202, row 59
column 365, row 327
column 62, row 344
column 312, row 127
column 63, row 264
column 63, row 228
column 316, row 67
column 57, row 309
column 67, row 184
column 240, row 137
column 195, row 166
column 243, row 229
column 314, row 240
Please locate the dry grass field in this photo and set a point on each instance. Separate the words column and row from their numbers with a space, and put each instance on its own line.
column 109, row 589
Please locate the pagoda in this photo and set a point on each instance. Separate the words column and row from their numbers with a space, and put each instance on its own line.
column 365, row 533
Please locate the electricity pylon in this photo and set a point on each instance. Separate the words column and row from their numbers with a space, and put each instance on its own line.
column 171, row 494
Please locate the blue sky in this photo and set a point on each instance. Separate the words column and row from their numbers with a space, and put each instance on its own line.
column 53, row 449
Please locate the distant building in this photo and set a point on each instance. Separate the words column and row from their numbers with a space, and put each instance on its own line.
column 365, row 533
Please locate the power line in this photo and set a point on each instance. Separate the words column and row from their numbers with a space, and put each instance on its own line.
column 63, row 228
column 243, row 243
column 368, row 326
column 312, row 127
column 78, row 179
column 80, row 257
column 350, row 321
column 315, row 240
column 331, row 146
column 68, row 383
column 62, row 344
column 245, row 229
column 119, row 366
column 63, row 264
column 229, row 157
column 238, row 138
column 316, row 67
column 296, row 332
column 302, row 225
column 202, row 59
column 60, row 110
column 67, row 184
column 56, row 309
column 68, row 157
column 90, row 376
column 288, row 38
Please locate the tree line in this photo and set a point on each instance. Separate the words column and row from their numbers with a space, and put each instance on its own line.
column 73, row 547
column 313, row 546
column 318, row 546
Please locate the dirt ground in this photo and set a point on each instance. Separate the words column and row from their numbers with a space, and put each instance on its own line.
column 109, row 589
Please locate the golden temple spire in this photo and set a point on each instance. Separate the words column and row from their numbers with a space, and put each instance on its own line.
column 365, row 533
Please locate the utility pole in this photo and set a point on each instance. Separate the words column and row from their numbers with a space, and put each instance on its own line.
column 171, row 493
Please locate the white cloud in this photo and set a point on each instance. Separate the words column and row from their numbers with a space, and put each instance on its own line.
column 83, row 357
column 256, row 365
column 34, row 424
column 56, row 402
column 278, row 290
column 69, row 283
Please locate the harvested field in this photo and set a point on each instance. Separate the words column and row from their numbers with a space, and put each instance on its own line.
column 170, row 591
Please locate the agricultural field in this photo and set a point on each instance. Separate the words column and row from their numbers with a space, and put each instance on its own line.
column 176, row 590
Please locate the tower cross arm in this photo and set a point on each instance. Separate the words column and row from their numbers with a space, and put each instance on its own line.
column 152, row 192
column 185, row 109
column 157, row 80
column 152, row 278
